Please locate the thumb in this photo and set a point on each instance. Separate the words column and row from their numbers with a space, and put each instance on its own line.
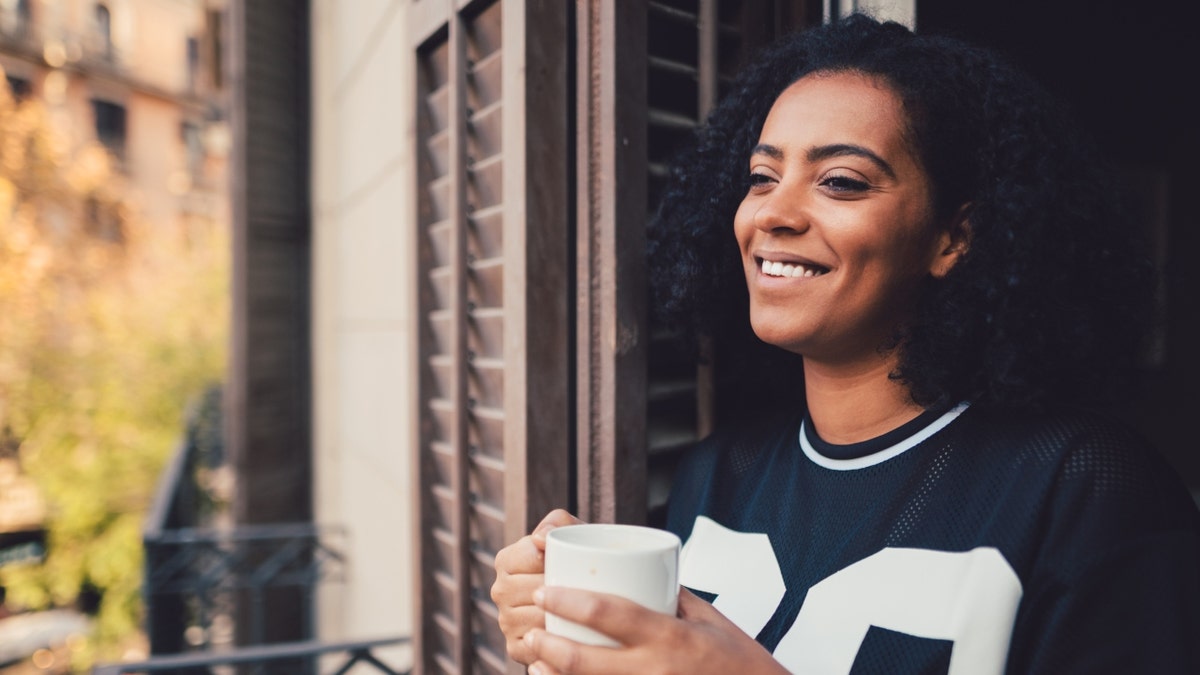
column 694, row 608
column 556, row 518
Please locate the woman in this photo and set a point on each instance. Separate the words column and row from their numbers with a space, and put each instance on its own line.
column 945, row 276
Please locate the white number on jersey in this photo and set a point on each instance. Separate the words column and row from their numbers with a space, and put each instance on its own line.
column 967, row 597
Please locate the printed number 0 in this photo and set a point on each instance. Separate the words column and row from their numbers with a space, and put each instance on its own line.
column 968, row 597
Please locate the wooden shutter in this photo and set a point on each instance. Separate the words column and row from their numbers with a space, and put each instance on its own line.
column 492, row 232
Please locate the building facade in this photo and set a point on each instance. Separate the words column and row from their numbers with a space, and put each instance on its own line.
column 143, row 78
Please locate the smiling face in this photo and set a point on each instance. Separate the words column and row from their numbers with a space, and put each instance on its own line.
column 837, row 230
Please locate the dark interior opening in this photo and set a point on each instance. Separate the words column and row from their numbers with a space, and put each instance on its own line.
column 1128, row 70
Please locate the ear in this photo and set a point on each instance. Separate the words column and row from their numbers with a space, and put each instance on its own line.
column 953, row 242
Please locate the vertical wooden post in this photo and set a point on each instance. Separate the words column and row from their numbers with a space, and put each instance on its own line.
column 269, row 385
column 457, row 108
column 611, row 322
column 537, row 441
column 707, row 80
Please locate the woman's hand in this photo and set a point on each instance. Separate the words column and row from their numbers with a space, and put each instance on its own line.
column 699, row 640
column 519, row 572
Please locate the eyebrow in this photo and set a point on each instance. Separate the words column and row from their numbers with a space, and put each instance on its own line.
column 768, row 150
column 826, row 151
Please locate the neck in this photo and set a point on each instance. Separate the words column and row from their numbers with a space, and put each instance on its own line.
column 856, row 402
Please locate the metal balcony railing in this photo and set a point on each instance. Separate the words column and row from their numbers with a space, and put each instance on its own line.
column 226, row 577
column 356, row 652
column 216, row 593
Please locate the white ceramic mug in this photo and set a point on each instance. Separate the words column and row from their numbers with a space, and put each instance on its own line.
column 638, row 563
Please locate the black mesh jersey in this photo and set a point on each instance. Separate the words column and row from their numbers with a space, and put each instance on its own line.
column 969, row 541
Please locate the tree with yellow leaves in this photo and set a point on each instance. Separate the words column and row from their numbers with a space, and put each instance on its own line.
column 109, row 326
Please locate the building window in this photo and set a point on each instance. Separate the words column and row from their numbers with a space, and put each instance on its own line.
column 20, row 87
column 193, row 140
column 15, row 17
column 104, row 30
column 110, row 126
column 193, row 63
column 214, row 45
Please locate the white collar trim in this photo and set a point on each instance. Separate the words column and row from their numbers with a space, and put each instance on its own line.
column 885, row 454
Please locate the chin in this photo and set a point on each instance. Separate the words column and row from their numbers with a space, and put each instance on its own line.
column 783, row 336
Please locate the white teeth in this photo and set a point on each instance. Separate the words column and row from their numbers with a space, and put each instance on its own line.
column 778, row 269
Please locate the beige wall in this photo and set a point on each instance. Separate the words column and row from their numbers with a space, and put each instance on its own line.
column 362, row 309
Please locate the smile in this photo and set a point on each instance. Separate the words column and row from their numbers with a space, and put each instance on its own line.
column 789, row 270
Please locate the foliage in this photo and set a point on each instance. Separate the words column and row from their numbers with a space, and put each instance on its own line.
column 108, row 328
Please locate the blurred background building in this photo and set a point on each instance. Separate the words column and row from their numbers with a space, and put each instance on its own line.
column 143, row 78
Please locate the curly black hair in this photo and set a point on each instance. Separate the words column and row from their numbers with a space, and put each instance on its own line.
column 1050, row 302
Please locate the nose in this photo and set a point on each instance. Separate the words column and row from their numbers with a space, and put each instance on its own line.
column 783, row 211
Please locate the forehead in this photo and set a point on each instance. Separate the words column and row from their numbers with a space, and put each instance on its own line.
column 840, row 107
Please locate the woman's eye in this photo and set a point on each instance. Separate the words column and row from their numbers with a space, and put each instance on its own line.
column 844, row 184
column 759, row 179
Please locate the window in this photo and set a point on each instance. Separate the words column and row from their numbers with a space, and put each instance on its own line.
column 15, row 17
column 104, row 30
column 213, row 43
column 193, row 63
column 193, row 141
column 20, row 87
column 110, row 126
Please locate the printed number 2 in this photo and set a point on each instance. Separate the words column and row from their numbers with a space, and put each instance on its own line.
column 968, row 597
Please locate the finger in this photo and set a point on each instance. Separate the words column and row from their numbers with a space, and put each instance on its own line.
column 556, row 518
column 542, row 668
column 521, row 557
column 623, row 620
column 514, row 590
column 515, row 622
column 519, row 648
column 693, row 607
column 572, row 658
column 519, row 651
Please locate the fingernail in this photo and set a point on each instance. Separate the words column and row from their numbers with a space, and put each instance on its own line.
column 528, row 639
column 539, row 596
column 535, row 669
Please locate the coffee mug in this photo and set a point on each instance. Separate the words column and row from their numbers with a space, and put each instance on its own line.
column 637, row 563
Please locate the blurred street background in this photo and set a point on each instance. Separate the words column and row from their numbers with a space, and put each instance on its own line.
column 114, row 302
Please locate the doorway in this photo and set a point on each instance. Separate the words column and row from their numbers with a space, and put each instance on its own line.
column 1128, row 74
